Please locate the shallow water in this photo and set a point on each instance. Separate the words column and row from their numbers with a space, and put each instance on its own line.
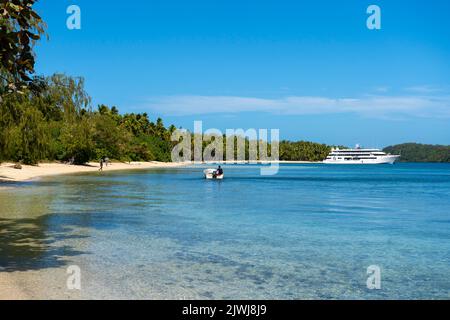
column 309, row 232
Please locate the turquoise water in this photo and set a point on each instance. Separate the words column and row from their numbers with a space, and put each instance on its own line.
column 309, row 232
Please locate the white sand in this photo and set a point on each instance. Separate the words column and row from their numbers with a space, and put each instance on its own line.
column 8, row 173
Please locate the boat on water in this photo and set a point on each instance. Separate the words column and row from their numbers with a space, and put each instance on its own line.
column 360, row 155
column 211, row 174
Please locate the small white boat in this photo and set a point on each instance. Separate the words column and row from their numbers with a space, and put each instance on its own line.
column 211, row 174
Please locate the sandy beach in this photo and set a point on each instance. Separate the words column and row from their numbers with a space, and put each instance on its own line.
column 8, row 173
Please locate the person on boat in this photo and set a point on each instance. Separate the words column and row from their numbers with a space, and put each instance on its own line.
column 219, row 171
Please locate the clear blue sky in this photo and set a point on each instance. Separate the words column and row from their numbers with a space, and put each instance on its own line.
column 310, row 68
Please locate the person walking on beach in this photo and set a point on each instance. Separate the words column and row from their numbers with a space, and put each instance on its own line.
column 101, row 165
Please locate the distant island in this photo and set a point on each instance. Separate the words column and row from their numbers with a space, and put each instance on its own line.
column 416, row 152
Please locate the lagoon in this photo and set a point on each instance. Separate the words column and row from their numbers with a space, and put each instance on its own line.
column 309, row 232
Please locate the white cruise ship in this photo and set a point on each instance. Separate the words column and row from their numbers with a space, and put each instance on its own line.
column 360, row 156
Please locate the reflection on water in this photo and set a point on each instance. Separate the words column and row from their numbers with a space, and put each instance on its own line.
column 309, row 232
column 27, row 237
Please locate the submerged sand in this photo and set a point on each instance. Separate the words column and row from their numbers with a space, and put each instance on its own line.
column 32, row 284
column 14, row 286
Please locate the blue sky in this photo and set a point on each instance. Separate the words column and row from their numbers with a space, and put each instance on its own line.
column 310, row 68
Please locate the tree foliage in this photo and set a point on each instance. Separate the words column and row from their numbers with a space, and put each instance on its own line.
column 20, row 28
column 303, row 151
column 57, row 123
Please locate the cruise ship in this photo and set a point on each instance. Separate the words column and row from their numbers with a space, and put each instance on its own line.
column 360, row 156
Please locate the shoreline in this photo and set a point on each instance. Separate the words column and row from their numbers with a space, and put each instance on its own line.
column 29, row 173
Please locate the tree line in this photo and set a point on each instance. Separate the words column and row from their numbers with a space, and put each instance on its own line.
column 56, row 122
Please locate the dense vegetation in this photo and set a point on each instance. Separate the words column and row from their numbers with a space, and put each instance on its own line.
column 414, row 152
column 303, row 151
column 57, row 123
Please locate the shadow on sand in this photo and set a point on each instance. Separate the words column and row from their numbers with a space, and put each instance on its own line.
column 26, row 244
